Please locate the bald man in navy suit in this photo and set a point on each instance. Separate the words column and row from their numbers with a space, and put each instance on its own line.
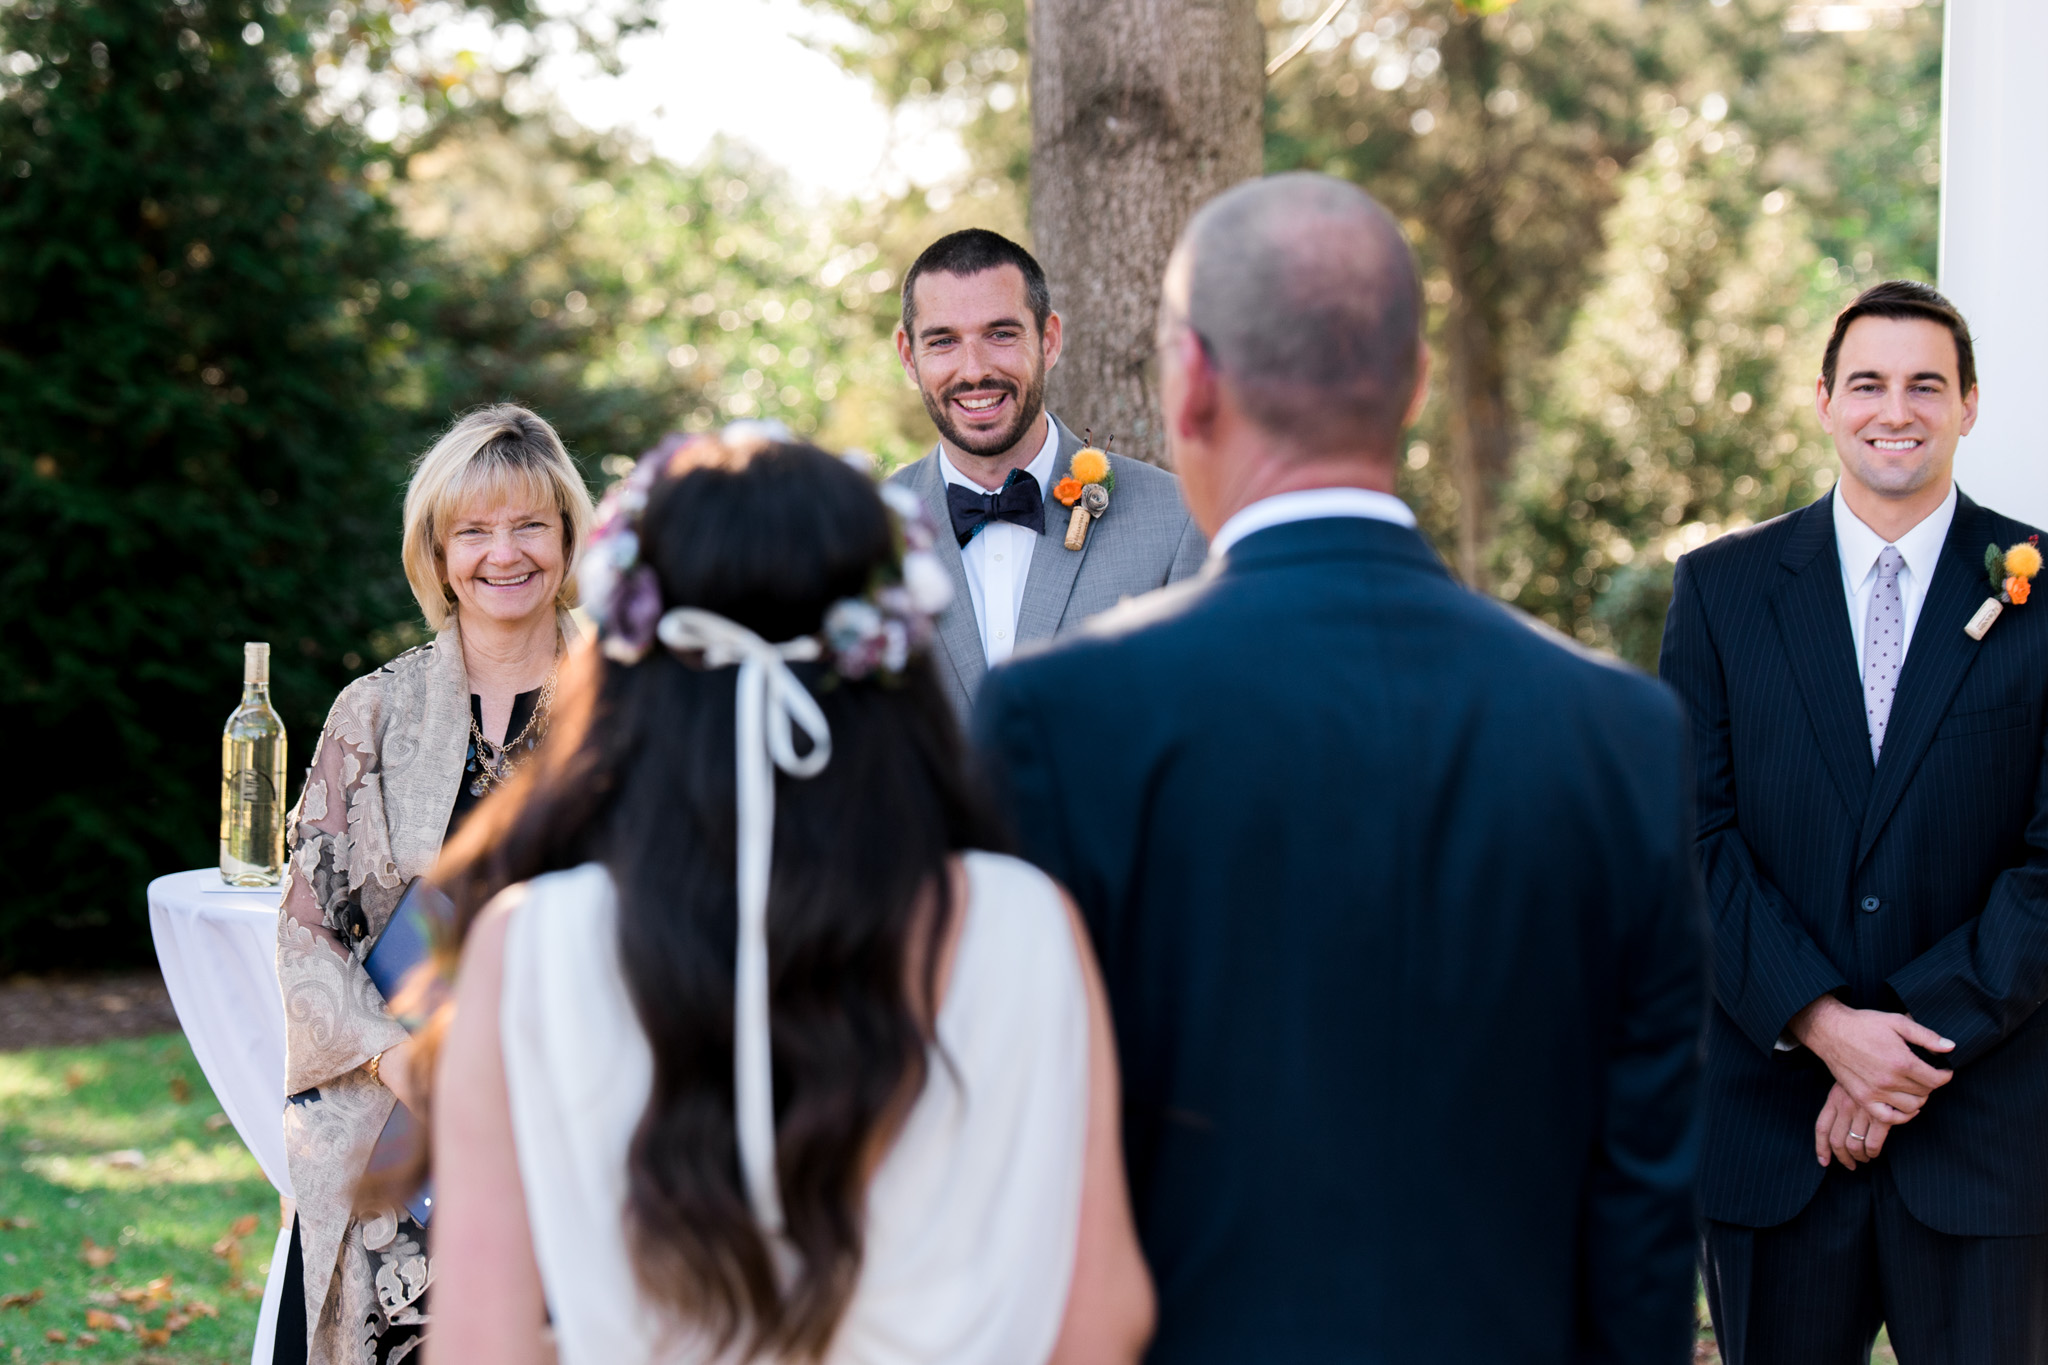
column 1392, row 890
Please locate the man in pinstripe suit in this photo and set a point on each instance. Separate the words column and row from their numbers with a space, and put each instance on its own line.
column 1873, row 833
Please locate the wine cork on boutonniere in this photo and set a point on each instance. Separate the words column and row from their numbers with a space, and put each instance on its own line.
column 1086, row 489
column 2011, row 572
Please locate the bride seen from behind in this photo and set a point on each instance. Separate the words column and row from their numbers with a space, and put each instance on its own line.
column 861, row 1108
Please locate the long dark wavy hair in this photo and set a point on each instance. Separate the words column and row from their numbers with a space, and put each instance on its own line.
column 638, row 774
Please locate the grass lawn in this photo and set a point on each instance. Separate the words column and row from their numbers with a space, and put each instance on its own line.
column 134, row 1226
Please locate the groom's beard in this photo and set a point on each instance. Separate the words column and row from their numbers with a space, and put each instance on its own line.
column 1026, row 409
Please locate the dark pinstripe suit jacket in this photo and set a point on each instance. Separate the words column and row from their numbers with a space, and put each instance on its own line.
column 1919, row 883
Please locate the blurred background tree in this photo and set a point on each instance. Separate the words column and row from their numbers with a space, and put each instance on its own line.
column 1141, row 111
column 192, row 329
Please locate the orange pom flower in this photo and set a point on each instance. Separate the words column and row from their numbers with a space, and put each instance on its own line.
column 2017, row 589
column 1089, row 466
column 1067, row 491
column 2023, row 560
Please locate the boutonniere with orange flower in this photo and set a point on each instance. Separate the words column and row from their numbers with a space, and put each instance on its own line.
column 2011, row 572
column 1086, row 489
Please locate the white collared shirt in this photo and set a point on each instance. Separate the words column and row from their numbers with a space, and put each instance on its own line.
column 1309, row 504
column 1858, row 547
column 999, row 558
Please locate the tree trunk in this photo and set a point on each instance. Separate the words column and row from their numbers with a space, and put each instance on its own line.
column 1479, row 422
column 1481, row 428
column 1140, row 111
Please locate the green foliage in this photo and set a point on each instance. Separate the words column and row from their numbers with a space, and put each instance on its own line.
column 622, row 297
column 190, row 438
column 122, row 1145
column 1681, row 404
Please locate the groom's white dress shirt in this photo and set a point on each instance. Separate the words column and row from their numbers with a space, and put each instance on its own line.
column 1309, row 504
column 1858, row 548
column 998, row 559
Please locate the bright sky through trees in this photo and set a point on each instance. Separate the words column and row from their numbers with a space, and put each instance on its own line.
column 744, row 68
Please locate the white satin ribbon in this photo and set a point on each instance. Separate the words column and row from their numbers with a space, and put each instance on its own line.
column 772, row 703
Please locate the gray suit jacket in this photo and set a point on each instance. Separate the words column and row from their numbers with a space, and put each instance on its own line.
column 1145, row 540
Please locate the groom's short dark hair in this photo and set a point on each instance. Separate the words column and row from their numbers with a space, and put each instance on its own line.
column 969, row 252
column 1901, row 300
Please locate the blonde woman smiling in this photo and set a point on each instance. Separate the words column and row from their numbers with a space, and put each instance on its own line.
column 494, row 517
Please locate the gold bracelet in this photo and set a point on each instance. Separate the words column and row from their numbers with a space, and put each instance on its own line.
column 373, row 1068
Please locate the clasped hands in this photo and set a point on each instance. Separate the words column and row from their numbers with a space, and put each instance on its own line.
column 1879, row 1082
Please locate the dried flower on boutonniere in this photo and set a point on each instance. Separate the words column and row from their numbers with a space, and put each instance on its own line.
column 1086, row 489
column 2011, row 572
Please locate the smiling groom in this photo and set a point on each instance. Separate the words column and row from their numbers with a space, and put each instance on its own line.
column 978, row 337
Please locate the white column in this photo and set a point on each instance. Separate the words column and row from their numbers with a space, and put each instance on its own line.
column 1994, row 239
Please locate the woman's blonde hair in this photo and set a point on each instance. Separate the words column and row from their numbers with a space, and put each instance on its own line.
column 494, row 453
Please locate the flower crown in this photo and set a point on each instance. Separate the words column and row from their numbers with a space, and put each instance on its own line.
column 875, row 633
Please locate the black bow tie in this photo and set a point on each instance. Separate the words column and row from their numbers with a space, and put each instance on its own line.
column 1018, row 501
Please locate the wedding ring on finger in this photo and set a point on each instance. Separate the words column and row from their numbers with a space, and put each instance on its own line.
column 1856, row 1137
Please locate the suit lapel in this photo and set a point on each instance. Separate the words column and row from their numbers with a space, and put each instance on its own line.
column 1054, row 567
column 1936, row 662
column 1813, row 620
column 958, row 632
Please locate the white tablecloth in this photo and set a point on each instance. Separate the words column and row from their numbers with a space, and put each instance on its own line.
column 217, row 946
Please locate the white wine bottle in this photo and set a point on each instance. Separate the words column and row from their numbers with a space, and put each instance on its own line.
column 252, row 781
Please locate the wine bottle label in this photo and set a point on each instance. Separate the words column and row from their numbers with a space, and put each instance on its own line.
column 252, row 787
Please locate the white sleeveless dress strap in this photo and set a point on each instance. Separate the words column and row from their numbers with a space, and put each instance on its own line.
column 973, row 1214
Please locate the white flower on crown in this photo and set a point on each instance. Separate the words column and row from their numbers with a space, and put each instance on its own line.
column 931, row 592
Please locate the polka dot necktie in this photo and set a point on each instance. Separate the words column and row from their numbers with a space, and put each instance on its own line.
column 1884, row 647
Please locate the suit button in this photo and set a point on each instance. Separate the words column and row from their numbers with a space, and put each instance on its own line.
column 1870, row 904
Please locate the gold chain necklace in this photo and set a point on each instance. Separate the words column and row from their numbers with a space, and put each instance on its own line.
column 494, row 763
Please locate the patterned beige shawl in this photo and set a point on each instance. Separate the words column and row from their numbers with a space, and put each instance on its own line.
column 370, row 819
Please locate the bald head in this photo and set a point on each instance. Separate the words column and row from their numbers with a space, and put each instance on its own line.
column 1303, row 292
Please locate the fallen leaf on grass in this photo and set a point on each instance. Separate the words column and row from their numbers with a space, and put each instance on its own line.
column 8, row 1301
column 54, row 1335
column 88, row 1339
column 74, row 1077
column 239, row 1229
column 154, row 1294
column 216, row 1122
column 200, row 1309
column 181, row 1089
column 96, row 1256
column 229, row 1247
column 24, row 1224
column 107, row 1322
column 127, row 1159
column 176, row 1322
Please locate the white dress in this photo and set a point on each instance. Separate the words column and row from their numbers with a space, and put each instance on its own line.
column 972, row 1216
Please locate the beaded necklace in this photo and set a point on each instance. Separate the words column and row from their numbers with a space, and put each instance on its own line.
column 490, row 764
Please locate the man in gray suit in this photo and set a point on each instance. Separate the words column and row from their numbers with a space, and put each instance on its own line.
column 977, row 338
